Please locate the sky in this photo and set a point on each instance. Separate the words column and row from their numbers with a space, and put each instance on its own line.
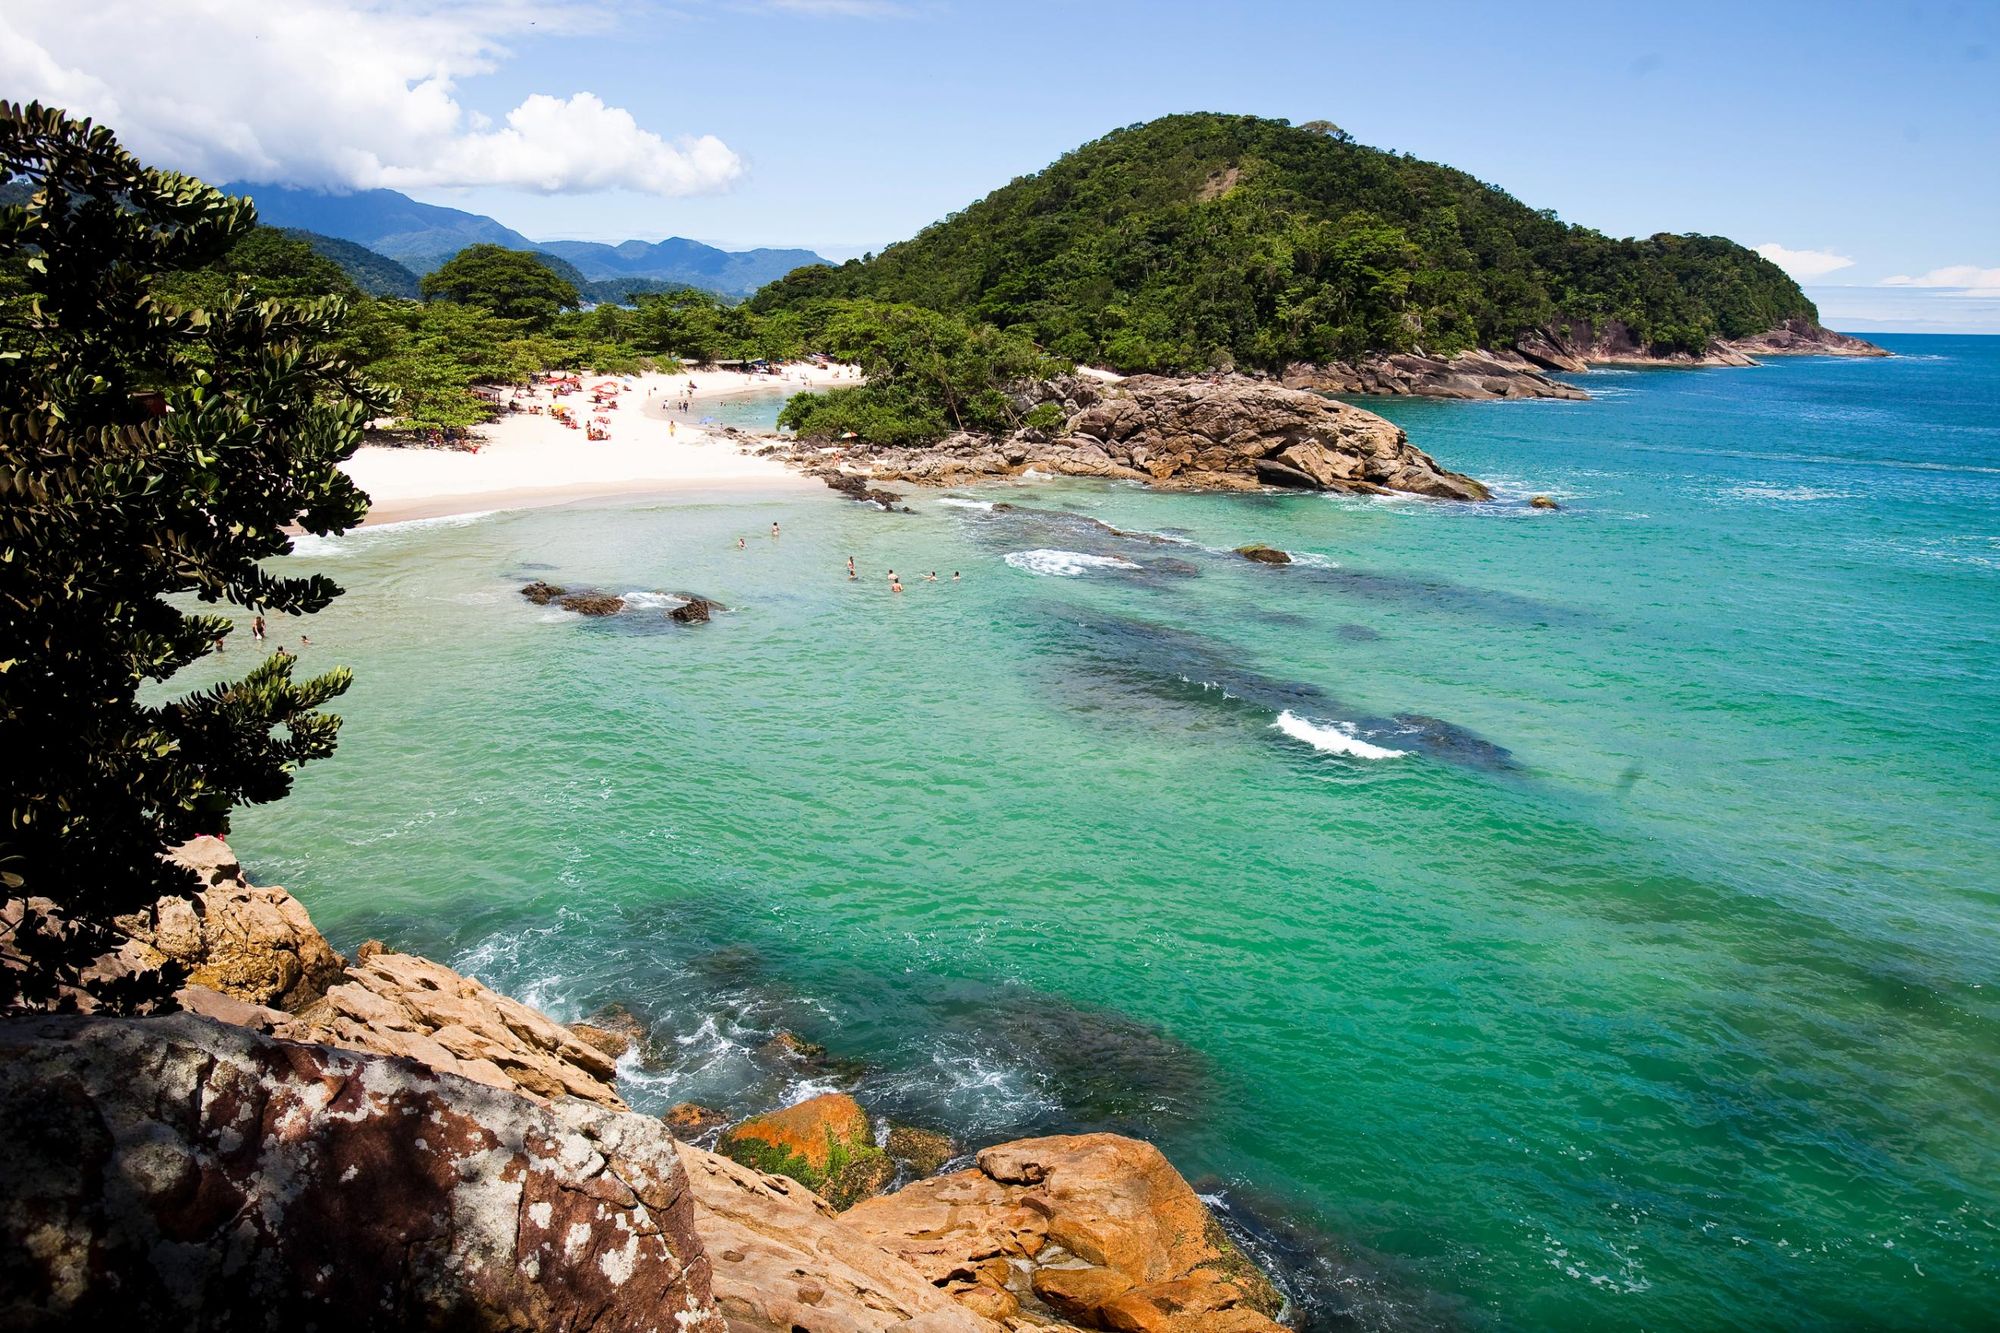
column 1855, row 144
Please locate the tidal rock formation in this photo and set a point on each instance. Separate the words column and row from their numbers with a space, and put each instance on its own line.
column 826, row 1143
column 921, row 1152
column 592, row 603
column 783, row 1261
column 1096, row 1228
column 1543, row 502
column 541, row 594
column 183, row 1173
column 1802, row 337
column 691, row 1120
column 1224, row 432
column 402, row 1005
column 857, row 488
column 1265, row 555
column 694, row 609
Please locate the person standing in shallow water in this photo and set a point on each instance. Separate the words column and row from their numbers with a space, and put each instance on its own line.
column 774, row 529
column 850, row 567
column 257, row 631
column 895, row 584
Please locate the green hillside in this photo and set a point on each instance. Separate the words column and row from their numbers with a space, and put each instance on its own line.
column 376, row 274
column 1198, row 240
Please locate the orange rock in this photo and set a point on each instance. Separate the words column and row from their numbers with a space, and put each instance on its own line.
column 826, row 1143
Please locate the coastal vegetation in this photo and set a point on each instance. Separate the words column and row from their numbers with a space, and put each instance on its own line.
column 154, row 447
column 1201, row 241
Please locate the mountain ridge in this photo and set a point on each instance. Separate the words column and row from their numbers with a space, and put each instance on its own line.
column 422, row 236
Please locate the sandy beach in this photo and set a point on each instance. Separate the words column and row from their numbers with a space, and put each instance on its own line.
column 526, row 459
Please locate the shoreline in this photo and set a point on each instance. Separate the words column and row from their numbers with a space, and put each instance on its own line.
column 530, row 459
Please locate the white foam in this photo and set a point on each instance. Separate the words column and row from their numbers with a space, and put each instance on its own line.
column 1761, row 491
column 958, row 503
column 1331, row 739
column 310, row 545
column 1064, row 564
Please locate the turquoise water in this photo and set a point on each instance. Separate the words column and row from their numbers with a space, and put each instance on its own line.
column 756, row 410
column 1651, row 984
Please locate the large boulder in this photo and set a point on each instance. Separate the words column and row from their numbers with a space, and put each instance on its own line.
column 826, row 1143
column 400, row 1004
column 251, row 942
column 783, row 1261
column 184, row 1173
column 1097, row 1228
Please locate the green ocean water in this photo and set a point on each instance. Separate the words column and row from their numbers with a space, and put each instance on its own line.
column 1651, row 982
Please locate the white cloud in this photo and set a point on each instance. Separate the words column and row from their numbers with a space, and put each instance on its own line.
column 311, row 92
column 1804, row 265
column 1967, row 278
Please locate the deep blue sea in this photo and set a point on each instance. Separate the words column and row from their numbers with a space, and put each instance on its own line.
column 1513, row 918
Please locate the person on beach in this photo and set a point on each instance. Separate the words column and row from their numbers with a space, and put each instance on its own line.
column 671, row 428
column 257, row 631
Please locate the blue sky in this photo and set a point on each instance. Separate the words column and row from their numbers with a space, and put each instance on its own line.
column 1863, row 133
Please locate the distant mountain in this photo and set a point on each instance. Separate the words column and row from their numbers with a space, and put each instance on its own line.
column 376, row 274
column 677, row 259
column 422, row 236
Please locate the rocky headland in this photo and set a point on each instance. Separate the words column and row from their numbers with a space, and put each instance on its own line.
column 1527, row 370
column 1227, row 432
column 384, row 1143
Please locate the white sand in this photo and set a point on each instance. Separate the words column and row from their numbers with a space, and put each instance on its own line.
column 527, row 459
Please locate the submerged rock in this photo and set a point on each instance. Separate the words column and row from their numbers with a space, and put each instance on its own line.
column 541, row 594
column 826, row 1143
column 613, row 1044
column 183, row 1173
column 1265, row 555
column 923, row 1152
column 691, row 1120
column 1543, row 502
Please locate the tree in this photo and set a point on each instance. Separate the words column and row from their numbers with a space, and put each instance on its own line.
column 147, row 452
column 513, row 284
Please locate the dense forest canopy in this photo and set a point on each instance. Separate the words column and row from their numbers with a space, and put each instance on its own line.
column 1202, row 240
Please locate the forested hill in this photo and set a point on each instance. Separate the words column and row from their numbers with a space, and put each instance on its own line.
column 1198, row 240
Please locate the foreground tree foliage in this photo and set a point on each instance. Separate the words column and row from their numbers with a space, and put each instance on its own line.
column 148, row 449
column 1198, row 241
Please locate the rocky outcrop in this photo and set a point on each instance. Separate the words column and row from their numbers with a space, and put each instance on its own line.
column 1097, row 1229
column 251, row 942
column 826, row 1143
column 694, row 609
column 184, row 1173
column 687, row 608
column 1224, row 432
column 402, row 1005
column 783, row 1261
column 1468, row 375
column 1571, row 347
column 1802, row 337
column 1265, row 555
